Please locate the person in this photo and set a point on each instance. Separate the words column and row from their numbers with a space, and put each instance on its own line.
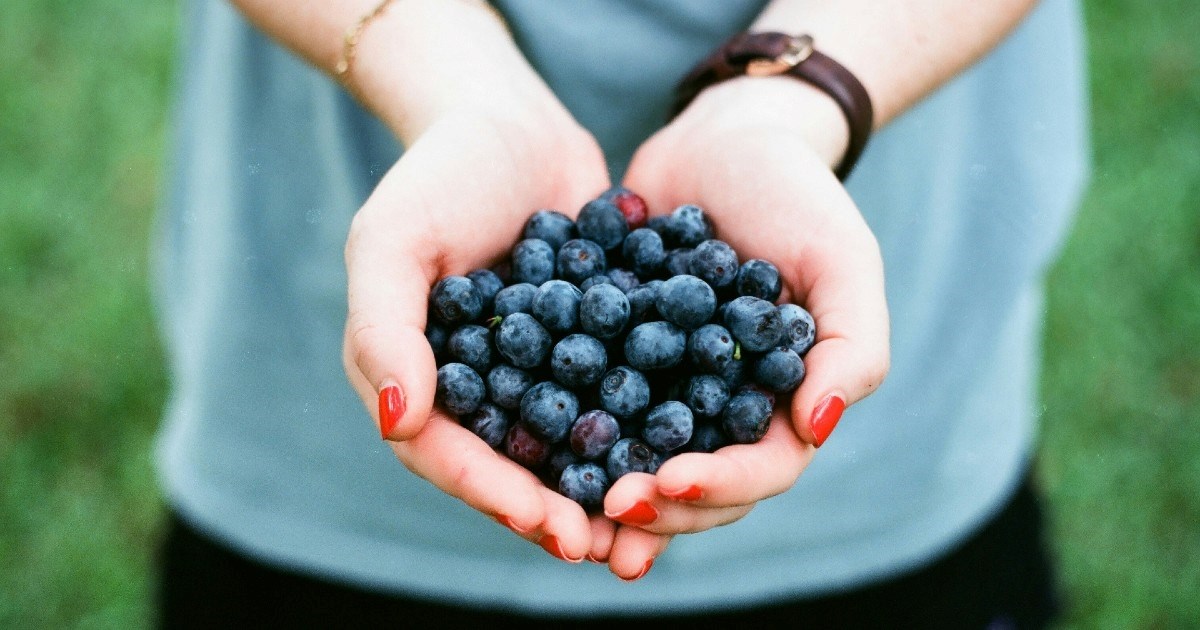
column 308, row 217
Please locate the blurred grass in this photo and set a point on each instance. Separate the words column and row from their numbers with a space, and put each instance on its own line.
column 83, row 98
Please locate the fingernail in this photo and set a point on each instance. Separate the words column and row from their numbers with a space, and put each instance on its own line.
column 690, row 493
column 825, row 417
column 553, row 547
column 508, row 522
column 391, row 409
column 592, row 558
column 642, row 513
column 642, row 573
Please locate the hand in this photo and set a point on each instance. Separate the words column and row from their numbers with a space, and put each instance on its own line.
column 756, row 153
column 457, row 201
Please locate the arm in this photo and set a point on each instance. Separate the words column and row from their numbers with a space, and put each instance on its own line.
column 756, row 152
column 487, row 144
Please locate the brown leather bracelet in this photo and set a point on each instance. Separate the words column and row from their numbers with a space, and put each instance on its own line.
column 766, row 54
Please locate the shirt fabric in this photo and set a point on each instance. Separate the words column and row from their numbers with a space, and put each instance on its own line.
column 265, row 446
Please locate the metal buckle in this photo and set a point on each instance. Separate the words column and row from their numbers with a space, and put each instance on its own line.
column 799, row 49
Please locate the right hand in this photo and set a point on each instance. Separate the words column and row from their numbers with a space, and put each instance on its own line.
column 457, row 201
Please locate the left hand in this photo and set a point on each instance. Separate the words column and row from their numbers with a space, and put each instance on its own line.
column 756, row 154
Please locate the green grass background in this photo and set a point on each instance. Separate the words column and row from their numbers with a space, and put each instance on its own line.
column 84, row 91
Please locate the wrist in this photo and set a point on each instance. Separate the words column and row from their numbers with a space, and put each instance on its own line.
column 423, row 60
column 777, row 102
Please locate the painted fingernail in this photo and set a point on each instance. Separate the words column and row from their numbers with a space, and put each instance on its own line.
column 825, row 417
column 642, row 513
column 642, row 573
column 553, row 547
column 690, row 493
column 508, row 522
column 391, row 409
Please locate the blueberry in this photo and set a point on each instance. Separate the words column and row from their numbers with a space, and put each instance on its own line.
column 755, row 323
column 706, row 395
column 688, row 227
column 551, row 226
column 561, row 456
column 678, row 262
column 517, row 298
column 714, row 262
column 459, row 388
column 490, row 423
column 580, row 259
column 629, row 203
column 759, row 278
column 472, row 345
column 630, row 455
column 601, row 221
column 603, row 311
column 624, row 392
column 455, row 300
column 668, row 426
column 523, row 341
column 641, row 302
column 584, row 484
column 799, row 327
column 710, row 348
column 548, row 410
column 686, row 301
column 746, row 417
column 780, row 370
column 507, row 384
column 658, row 223
column 488, row 284
column 525, row 448
column 655, row 346
column 578, row 361
column 599, row 278
column 624, row 279
column 735, row 373
column 437, row 335
column 707, row 437
column 556, row 306
column 644, row 253
column 594, row 433
column 532, row 262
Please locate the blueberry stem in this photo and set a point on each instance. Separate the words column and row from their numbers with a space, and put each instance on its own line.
column 737, row 351
column 494, row 321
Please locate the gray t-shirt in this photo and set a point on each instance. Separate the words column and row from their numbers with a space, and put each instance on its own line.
column 265, row 446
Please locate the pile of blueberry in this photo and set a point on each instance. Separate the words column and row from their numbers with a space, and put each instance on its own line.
column 610, row 343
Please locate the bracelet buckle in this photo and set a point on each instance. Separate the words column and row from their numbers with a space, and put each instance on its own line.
column 799, row 48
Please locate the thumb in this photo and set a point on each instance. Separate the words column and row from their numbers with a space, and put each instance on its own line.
column 385, row 353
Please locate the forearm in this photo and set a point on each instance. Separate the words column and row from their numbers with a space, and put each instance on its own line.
column 417, row 61
column 900, row 51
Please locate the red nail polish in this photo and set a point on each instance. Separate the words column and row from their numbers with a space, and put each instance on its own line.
column 642, row 513
column 391, row 409
column 690, row 493
column 825, row 417
column 553, row 547
column 508, row 522
column 642, row 573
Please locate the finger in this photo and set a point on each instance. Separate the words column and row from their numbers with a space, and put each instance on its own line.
column 636, row 502
column 604, row 530
column 633, row 552
column 385, row 353
column 697, row 491
column 464, row 466
column 851, row 356
column 567, row 530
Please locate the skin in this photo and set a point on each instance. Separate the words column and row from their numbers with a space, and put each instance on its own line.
column 483, row 131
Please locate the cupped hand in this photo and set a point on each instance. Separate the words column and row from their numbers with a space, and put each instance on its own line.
column 756, row 154
column 457, row 201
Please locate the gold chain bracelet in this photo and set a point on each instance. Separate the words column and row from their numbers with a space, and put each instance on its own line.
column 354, row 33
